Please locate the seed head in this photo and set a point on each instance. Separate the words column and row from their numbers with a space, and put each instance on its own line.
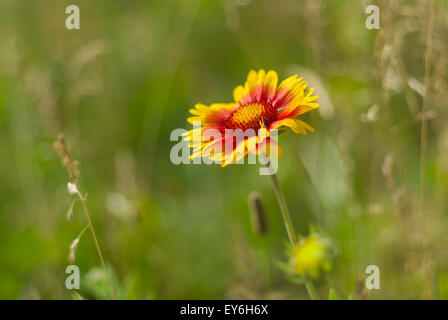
column 258, row 213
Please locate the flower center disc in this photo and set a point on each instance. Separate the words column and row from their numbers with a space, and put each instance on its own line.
column 250, row 116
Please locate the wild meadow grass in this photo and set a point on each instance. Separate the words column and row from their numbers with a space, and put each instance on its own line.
column 371, row 180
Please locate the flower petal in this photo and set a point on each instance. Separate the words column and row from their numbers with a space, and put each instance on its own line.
column 270, row 84
column 269, row 147
column 238, row 93
column 296, row 125
column 287, row 90
column 212, row 116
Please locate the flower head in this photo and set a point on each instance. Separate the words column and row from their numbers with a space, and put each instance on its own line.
column 259, row 107
column 311, row 256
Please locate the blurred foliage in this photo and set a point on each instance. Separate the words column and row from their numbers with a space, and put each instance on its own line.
column 118, row 86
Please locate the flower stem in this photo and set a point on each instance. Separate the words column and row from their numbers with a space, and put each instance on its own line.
column 311, row 290
column 284, row 209
column 290, row 228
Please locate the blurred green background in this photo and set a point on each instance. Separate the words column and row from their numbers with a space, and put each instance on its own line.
column 116, row 89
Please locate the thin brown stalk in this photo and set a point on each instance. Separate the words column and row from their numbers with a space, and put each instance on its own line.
column 98, row 249
column 73, row 186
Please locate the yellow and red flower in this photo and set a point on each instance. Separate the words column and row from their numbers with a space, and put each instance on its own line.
column 259, row 107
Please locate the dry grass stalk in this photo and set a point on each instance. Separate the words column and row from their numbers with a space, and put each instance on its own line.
column 74, row 188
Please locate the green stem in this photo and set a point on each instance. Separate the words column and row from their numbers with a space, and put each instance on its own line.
column 284, row 209
column 290, row 228
column 311, row 290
